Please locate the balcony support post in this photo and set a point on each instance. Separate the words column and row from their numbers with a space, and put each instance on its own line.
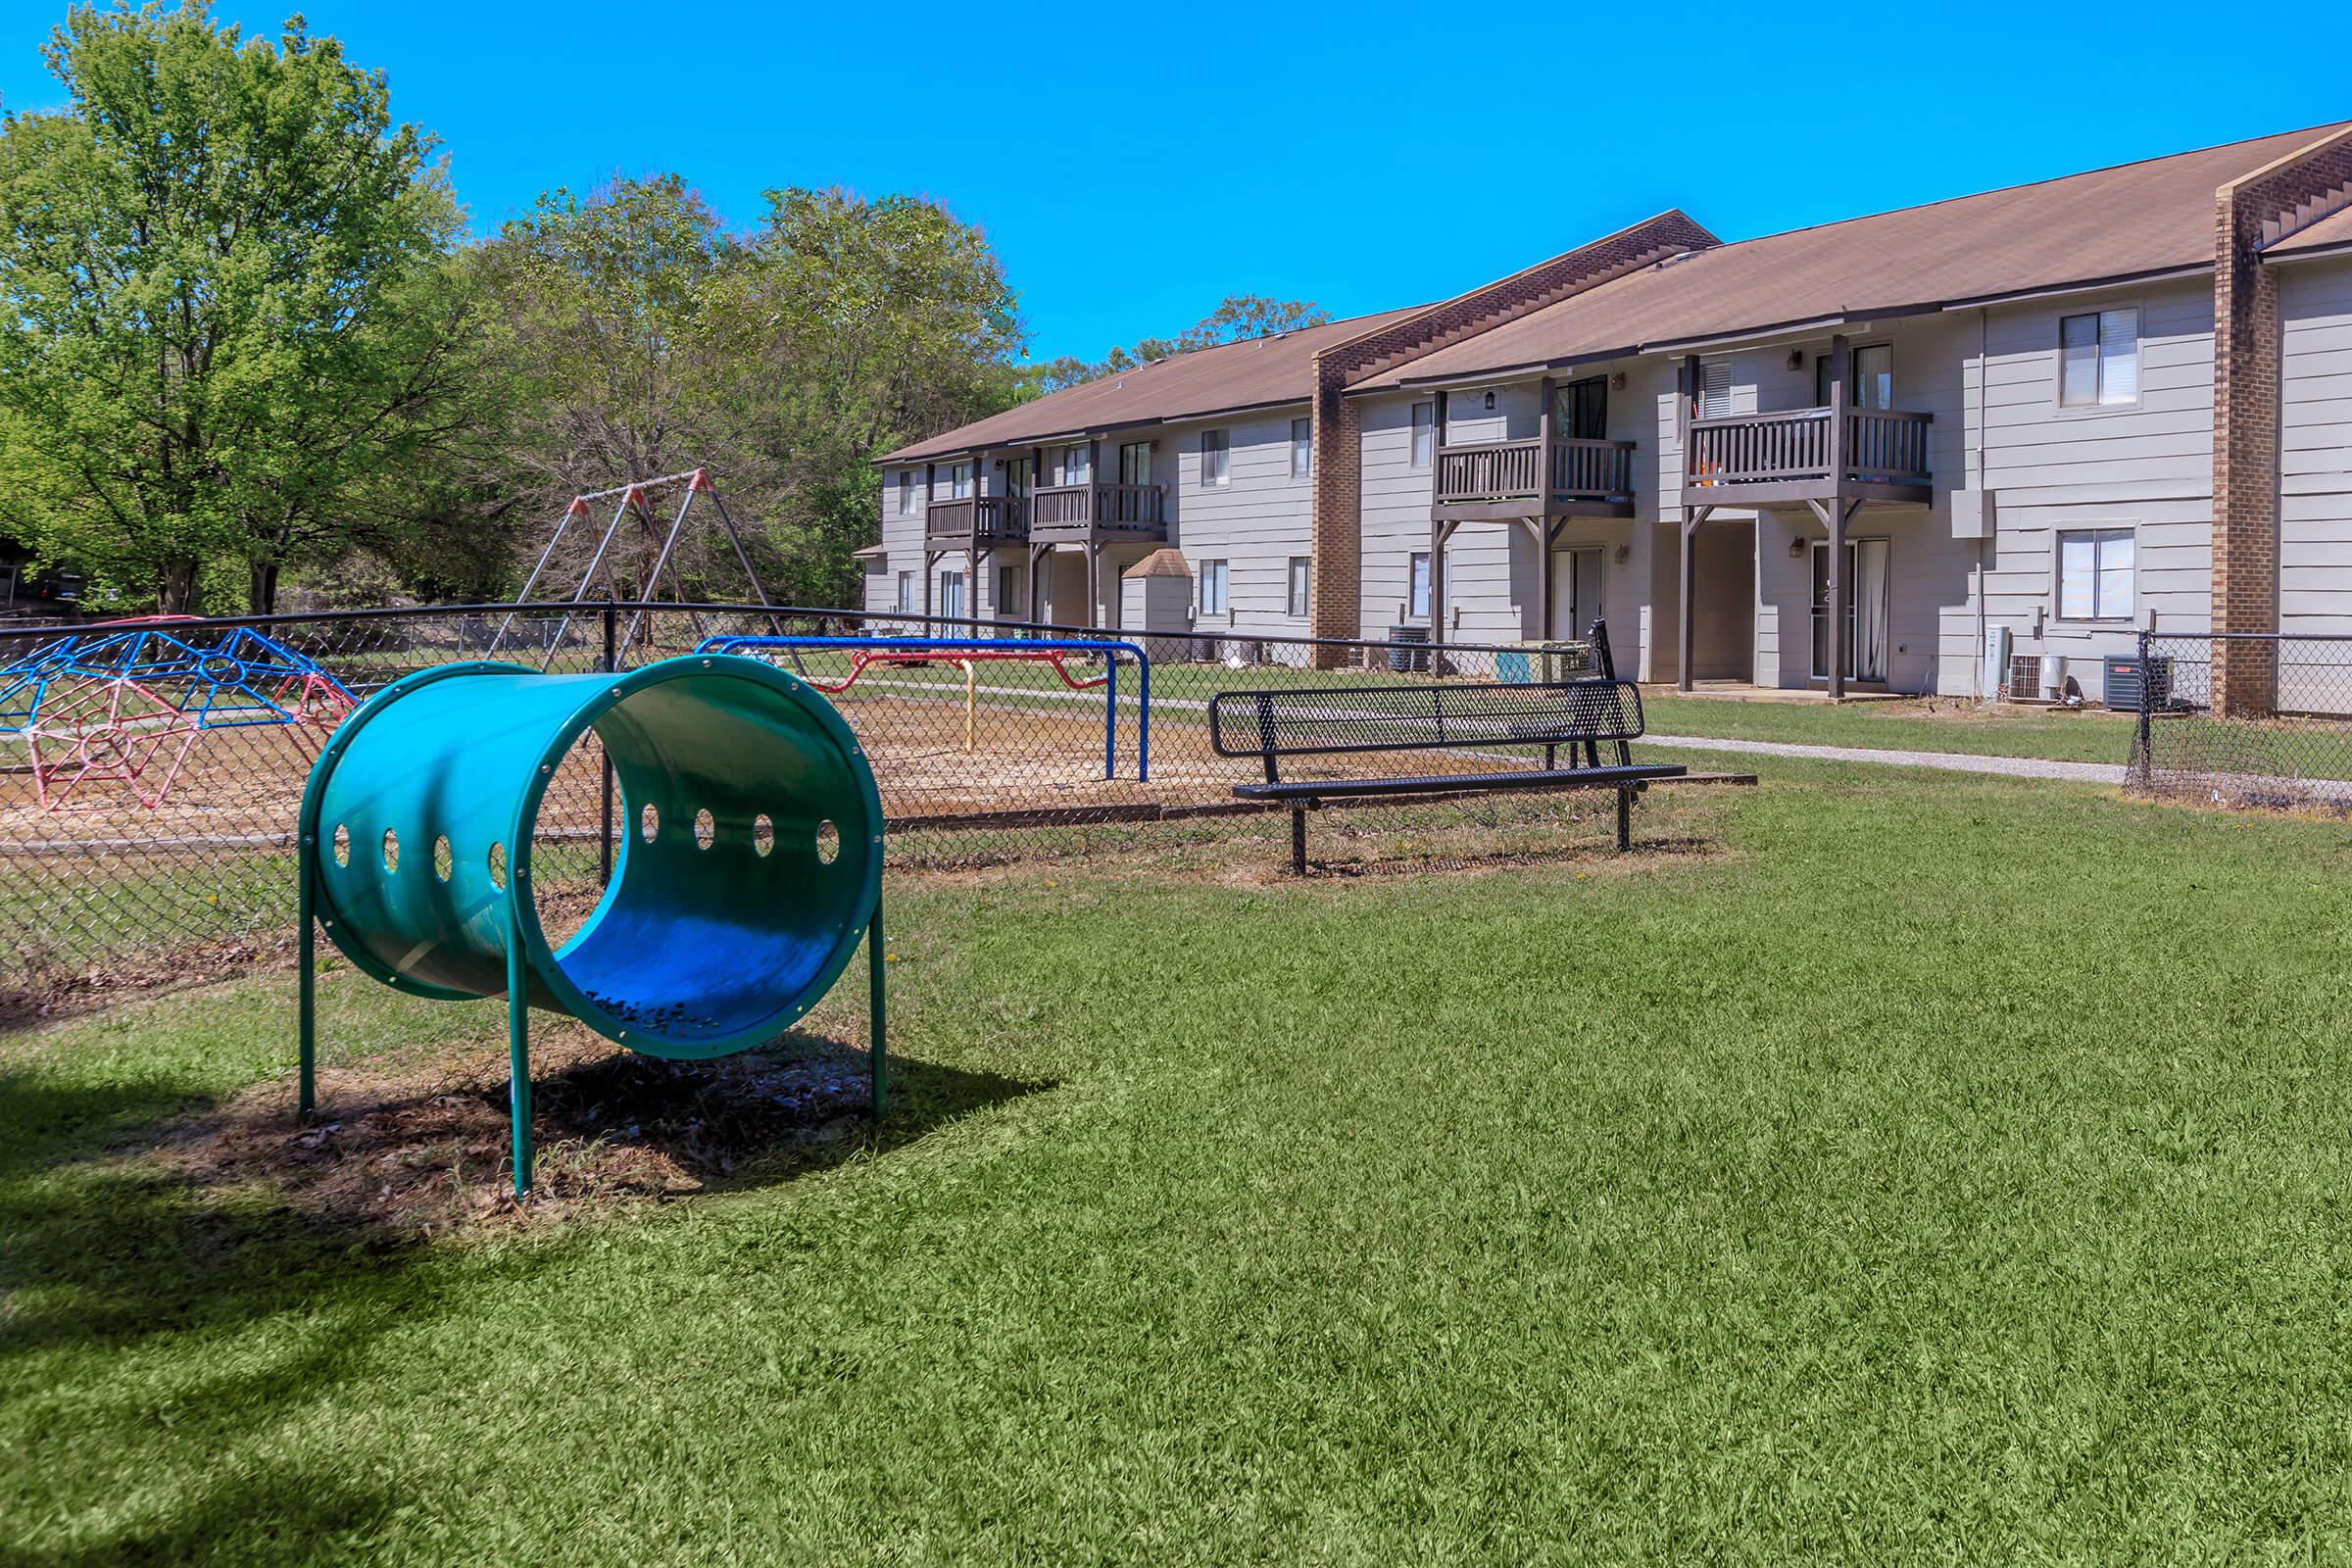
column 1543, row 435
column 1841, row 363
column 1541, row 527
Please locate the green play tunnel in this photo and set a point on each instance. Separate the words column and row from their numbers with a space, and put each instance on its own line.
column 749, row 864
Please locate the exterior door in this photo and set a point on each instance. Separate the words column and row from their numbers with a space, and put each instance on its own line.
column 1863, row 647
column 950, row 595
column 1575, row 593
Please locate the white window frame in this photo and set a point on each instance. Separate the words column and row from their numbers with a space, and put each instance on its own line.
column 1078, row 463
column 1302, row 449
column 1216, row 459
column 2108, row 335
column 1213, row 587
column 906, row 502
column 906, row 603
column 1008, row 591
column 1143, row 452
column 1300, row 586
column 952, row 585
column 2100, row 540
column 1416, row 586
column 960, row 480
column 1422, row 424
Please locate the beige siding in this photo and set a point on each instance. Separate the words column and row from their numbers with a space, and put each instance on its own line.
column 2315, row 458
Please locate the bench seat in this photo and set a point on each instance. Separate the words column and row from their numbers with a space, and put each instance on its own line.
column 1526, row 778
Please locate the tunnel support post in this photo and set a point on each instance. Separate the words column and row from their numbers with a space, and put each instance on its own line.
column 519, row 1043
column 877, row 1053
column 307, row 956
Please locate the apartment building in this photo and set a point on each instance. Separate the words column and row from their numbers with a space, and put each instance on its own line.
column 1842, row 458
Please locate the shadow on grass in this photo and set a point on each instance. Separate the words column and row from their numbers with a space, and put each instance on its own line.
column 120, row 1224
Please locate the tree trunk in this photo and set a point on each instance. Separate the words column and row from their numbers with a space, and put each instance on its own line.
column 262, row 597
column 175, row 586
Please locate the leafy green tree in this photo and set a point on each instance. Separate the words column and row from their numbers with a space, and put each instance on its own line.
column 218, row 301
column 1239, row 317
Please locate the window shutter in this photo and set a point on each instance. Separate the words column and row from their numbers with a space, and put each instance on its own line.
column 2119, row 356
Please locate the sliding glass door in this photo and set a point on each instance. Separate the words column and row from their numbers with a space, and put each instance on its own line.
column 1863, row 647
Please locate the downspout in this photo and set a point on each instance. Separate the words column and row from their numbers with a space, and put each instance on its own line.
column 1987, row 541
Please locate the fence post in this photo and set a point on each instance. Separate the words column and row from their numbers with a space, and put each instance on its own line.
column 2143, row 768
column 604, row 840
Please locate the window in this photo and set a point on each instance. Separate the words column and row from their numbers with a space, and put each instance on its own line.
column 1425, row 434
column 1300, row 571
column 2098, row 358
column 1302, row 448
column 1418, row 594
column 906, row 505
column 2094, row 575
column 959, row 482
column 1078, row 464
column 950, row 595
column 1017, row 476
column 1216, row 459
column 906, row 593
column 1134, row 462
column 1213, row 588
column 1581, row 410
column 1008, row 591
column 1870, row 377
column 1712, row 397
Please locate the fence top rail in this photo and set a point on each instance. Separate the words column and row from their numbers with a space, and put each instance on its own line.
column 196, row 626
column 999, row 647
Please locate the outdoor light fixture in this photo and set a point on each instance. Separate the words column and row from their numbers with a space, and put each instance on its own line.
column 1625, row 553
column 1617, row 382
column 1796, row 359
column 1490, row 401
column 1797, row 548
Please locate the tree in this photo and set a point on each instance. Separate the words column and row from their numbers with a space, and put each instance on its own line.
column 1238, row 317
column 886, row 321
column 216, row 297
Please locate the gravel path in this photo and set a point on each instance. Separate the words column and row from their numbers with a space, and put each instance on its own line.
column 1951, row 761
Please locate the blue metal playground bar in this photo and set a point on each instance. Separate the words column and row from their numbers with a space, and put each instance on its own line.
column 864, row 650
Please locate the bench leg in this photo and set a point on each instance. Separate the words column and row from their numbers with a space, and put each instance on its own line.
column 1625, row 818
column 1298, row 841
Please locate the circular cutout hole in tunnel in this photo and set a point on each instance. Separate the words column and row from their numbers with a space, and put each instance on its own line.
column 763, row 835
column 829, row 842
column 648, row 822
column 706, row 829
column 498, row 865
column 391, row 851
column 443, row 861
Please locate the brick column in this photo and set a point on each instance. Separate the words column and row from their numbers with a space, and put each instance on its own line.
column 2258, row 209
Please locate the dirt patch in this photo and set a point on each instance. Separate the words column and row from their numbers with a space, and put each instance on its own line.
column 424, row 1152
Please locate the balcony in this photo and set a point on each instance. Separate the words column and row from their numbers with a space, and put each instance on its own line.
column 1497, row 479
column 1099, row 514
column 1806, row 454
column 976, row 522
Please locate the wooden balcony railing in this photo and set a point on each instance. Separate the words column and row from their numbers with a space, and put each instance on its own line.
column 1881, row 446
column 1507, row 471
column 1137, row 510
column 981, row 518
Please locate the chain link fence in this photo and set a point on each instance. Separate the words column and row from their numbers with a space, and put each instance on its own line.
column 148, row 793
column 2244, row 719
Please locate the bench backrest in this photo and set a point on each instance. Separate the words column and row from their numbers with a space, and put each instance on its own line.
column 1313, row 722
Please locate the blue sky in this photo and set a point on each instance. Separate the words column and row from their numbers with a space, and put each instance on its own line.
column 1362, row 156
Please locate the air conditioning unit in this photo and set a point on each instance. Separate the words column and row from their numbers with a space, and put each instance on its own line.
column 2123, row 681
column 2024, row 677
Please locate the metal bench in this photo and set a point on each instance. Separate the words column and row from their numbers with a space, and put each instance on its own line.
column 1589, row 721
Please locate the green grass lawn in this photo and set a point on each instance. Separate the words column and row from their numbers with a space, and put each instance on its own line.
column 1938, row 1169
column 1923, row 725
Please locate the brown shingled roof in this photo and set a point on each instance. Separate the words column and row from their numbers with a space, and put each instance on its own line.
column 1254, row 372
column 2133, row 221
column 2330, row 233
